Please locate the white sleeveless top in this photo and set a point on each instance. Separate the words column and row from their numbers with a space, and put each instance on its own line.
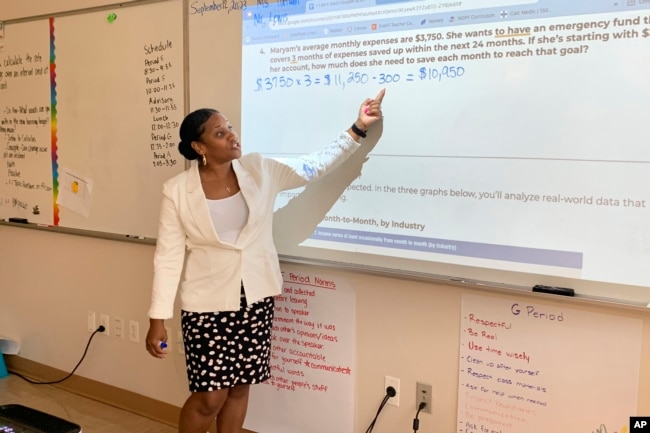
column 229, row 216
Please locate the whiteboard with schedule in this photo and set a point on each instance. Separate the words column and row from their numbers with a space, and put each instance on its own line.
column 88, row 127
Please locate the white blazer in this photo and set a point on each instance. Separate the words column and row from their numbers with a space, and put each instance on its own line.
column 213, row 269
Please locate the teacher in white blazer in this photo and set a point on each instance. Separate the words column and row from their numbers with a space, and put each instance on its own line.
column 215, row 242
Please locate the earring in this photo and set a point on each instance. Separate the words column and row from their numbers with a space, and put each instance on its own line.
column 204, row 160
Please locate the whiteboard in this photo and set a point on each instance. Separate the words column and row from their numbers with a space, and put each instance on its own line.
column 108, row 141
column 25, row 121
column 496, row 164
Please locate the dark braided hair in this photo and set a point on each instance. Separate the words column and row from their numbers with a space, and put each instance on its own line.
column 191, row 130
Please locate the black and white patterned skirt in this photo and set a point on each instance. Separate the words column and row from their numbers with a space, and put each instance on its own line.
column 228, row 348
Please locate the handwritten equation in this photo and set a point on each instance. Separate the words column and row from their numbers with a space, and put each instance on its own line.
column 341, row 80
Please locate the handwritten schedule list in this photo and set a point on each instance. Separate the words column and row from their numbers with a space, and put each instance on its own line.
column 312, row 356
column 528, row 366
column 162, row 92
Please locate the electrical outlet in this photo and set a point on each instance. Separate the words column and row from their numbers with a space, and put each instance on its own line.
column 106, row 322
column 423, row 393
column 118, row 327
column 391, row 381
column 134, row 331
column 91, row 319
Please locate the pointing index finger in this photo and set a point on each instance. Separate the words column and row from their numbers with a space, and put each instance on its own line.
column 380, row 95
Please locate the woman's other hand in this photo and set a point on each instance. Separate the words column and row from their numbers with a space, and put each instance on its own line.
column 156, row 335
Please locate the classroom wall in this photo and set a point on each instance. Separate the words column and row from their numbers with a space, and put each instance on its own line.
column 405, row 328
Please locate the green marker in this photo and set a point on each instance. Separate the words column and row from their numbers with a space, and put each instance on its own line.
column 111, row 17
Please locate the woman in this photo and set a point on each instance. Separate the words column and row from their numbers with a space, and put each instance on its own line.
column 220, row 213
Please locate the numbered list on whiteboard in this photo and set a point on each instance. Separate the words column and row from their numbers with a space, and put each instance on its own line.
column 534, row 367
column 311, row 388
column 162, row 86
